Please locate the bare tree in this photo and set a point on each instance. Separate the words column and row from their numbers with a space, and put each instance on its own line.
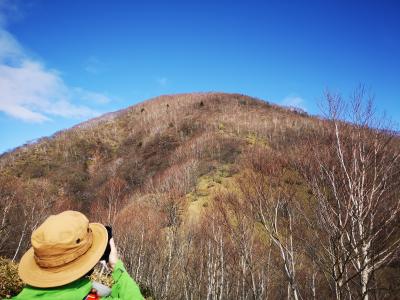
column 272, row 207
column 7, row 202
column 355, row 184
column 112, row 197
column 33, row 211
column 242, row 232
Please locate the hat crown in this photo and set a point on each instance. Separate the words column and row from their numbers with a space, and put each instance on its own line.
column 62, row 229
column 61, row 239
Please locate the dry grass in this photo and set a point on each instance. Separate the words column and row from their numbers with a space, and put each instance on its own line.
column 10, row 283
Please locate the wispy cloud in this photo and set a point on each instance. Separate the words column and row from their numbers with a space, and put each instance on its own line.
column 162, row 81
column 9, row 10
column 31, row 92
column 88, row 96
column 294, row 101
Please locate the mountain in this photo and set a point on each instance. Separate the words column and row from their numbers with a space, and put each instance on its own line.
column 179, row 177
column 141, row 143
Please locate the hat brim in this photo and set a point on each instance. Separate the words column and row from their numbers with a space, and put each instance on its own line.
column 36, row 276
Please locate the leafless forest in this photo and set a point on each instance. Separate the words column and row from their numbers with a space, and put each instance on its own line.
column 222, row 196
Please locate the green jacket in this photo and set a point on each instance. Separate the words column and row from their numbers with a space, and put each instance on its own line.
column 124, row 288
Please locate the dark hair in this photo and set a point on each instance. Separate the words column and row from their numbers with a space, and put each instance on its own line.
column 88, row 274
column 106, row 253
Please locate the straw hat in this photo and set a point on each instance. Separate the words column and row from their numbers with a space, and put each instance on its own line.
column 64, row 248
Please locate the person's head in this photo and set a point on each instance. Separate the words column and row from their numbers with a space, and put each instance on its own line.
column 64, row 248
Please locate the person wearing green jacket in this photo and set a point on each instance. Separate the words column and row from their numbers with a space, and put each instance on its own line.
column 65, row 248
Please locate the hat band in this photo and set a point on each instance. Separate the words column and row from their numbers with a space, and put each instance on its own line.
column 51, row 261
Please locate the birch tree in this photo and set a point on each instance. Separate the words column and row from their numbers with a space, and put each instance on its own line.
column 357, row 186
column 272, row 207
column 7, row 203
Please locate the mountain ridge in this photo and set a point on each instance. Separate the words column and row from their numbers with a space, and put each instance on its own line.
column 114, row 114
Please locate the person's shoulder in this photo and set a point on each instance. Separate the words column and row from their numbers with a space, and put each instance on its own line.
column 78, row 289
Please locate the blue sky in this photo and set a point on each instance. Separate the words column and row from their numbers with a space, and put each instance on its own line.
column 63, row 62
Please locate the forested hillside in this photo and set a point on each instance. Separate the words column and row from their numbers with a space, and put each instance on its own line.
column 223, row 196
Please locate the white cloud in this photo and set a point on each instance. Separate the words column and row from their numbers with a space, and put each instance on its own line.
column 294, row 101
column 10, row 49
column 31, row 92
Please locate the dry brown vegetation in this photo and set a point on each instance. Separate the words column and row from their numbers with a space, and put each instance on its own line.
column 217, row 196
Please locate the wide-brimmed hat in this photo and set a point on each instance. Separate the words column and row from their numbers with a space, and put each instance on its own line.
column 64, row 248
